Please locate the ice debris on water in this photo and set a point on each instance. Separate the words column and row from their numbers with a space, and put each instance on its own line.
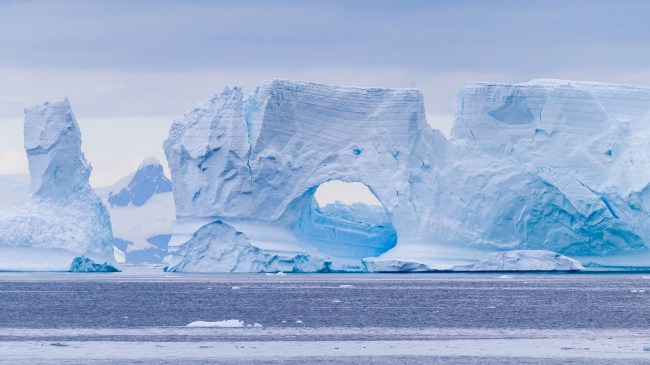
column 64, row 218
column 230, row 323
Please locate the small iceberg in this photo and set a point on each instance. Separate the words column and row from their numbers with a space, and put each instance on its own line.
column 230, row 323
column 84, row 264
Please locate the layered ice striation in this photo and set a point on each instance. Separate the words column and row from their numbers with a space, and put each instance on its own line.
column 545, row 165
column 64, row 218
column 142, row 213
column 553, row 165
column 255, row 163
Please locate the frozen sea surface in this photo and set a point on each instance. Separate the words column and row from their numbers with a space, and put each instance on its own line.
column 141, row 314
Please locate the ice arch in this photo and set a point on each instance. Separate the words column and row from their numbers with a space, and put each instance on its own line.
column 254, row 163
column 353, row 230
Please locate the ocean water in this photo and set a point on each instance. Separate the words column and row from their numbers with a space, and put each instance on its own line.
column 140, row 316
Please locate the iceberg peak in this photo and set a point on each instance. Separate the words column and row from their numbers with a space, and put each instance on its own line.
column 57, row 165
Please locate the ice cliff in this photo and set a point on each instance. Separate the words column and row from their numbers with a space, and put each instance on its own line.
column 64, row 218
column 553, row 165
column 544, row 165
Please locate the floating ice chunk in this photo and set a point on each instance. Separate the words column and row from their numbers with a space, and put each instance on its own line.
column 299, row 321
column 336, row 301
column 346, row 286
column 257, row 325
column 235, row 287
column 219, row 247
column 230, row 323
column 84, row 264
column 280, row 273
column 505, row 277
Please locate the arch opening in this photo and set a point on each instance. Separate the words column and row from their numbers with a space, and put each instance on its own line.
column 345, row 219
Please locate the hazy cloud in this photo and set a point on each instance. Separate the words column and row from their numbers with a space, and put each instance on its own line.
column 146, row 62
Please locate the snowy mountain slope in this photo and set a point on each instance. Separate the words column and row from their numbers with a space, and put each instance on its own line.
column 141, row 206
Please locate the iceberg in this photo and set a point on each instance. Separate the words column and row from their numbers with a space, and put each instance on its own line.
column 544, row 165
column 255, row 163
column 523, row 260
column 84, row 264
column 64, row 218
column 218, row 247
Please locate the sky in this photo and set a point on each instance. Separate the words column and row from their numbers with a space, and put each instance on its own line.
column 130, row 68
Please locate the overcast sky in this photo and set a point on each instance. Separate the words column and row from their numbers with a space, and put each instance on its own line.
column 131, row 67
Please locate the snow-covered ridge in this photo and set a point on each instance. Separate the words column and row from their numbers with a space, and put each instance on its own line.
column 148, row 180
column 64, row 218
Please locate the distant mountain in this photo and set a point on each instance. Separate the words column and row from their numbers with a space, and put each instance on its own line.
column 147, row 181
column 141, row 206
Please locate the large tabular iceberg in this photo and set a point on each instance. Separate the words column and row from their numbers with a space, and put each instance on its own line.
column 64, row 218
column 545, row 165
